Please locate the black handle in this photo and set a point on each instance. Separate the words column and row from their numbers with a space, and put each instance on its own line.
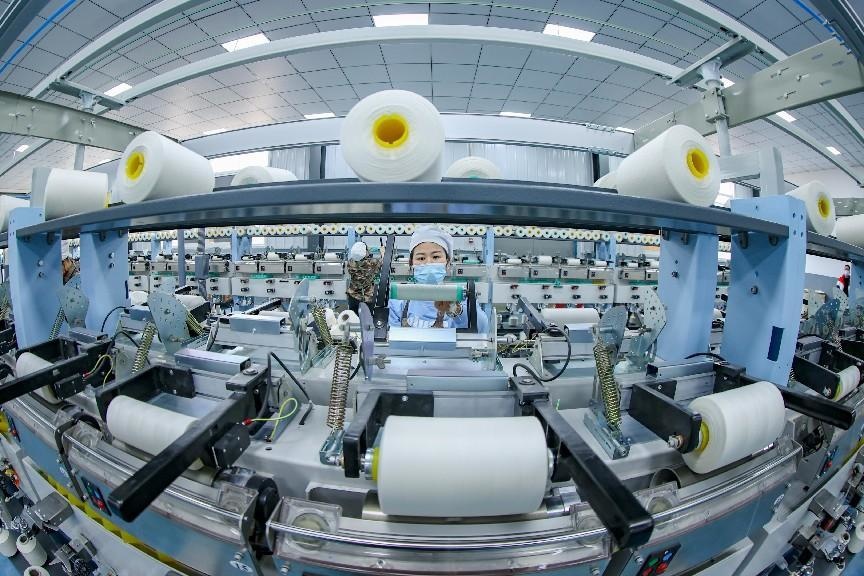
column 821, row 409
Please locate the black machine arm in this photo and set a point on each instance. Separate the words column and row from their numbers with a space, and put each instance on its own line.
column 69, row 361
column 218, row 439
column 653, row 405
column 627, row 521
column 381, row 299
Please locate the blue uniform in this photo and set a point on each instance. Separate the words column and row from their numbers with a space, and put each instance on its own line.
column 422, row 314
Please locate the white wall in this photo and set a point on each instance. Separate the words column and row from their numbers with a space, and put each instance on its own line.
column 839, row 184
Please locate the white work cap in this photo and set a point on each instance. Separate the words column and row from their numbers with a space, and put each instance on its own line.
column 434, row 235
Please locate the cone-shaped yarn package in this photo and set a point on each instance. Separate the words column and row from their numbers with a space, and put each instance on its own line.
column 261, row 175
column 736, row 424
column 28, row 363
column 7, row 204
column 425, row 466
column 32, row 550
column 821, row 217
column 473, row 167
column 70, row 192
column 153, row 167
column 145, row 426
column 850, row 229
column 8, row 546
column 606, row 181
column 393, row 136
column 677, row 165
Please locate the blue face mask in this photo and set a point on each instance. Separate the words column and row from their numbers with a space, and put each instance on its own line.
column 430, row 273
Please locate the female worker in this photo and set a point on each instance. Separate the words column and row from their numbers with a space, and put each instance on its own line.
column 431, row 255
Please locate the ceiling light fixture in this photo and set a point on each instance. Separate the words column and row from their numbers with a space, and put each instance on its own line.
column 214, row 131
column 245, row 42
column 319, row 115
column 623, row 129
column 786, row 116
column 122, row 87
column 568, row 32
column 22, row 148
column 833, row 150
column 383, row 20
column 515, row 114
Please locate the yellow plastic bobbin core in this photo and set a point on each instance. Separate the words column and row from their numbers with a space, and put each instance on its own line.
column 824, row 206
column 134, row 165
column 390, row 130
column 375, row 460
column 703, row 437
column 698, row 163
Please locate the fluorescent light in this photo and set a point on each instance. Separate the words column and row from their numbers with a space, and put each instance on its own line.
column 22, row 148
column 568, row 32
column 319, row 115
column 122, row 87
column 833, row 150
column 786, row 116
column 215, row 131
column 383, row 20
column 726, row 82
column 245, row 42
column 623, row 129
column 516, row 114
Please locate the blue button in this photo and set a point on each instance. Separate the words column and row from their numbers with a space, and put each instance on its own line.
column 667, row 556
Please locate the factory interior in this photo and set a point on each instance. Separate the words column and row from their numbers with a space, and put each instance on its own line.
column 402, row 287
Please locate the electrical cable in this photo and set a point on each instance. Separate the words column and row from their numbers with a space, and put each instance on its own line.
column 565, row 333
column 291, row 375
column 105, row 320
column 708, row 354
column 128, row 336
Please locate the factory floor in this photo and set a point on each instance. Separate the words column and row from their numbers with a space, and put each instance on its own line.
column 7, row 568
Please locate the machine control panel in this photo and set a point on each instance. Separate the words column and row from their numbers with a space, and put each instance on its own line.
column 658, row 562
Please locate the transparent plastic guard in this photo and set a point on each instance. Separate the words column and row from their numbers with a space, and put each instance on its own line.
column 315, row 533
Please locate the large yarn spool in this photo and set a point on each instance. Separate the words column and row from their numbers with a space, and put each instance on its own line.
column 425, row 467
column 850, row 229
column 473, row 167
column 70, row 192
column 261, row 175
column 32, row 550
column 677, row 165
column 7, row 204
column 8, row 546
column 393, row 136
column 736, row 424
column 819, row 204
column 146, row 427
column 153, row 167
column 606, row 181
column 28, row 363
column 562, row 316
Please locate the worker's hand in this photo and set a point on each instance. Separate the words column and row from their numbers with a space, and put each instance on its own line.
column 442, row 307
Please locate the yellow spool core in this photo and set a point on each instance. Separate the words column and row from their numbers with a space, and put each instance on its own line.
column 390, row 130
column 134, row 165
column 703, row 437
column 698, row 163
column 375, row 459
column 824, row 206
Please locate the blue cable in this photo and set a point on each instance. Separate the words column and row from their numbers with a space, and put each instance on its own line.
column 35, row 33
column 813, row 14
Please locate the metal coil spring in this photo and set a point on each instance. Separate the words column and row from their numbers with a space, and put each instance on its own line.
column 339, row 386
column 58, row 323
column 144, row 347
column 321, row 323
column 608, row 387
column 195, row 327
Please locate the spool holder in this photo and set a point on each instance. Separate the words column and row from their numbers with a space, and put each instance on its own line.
column 69, row 360
column 729, row 376
column 653, row 405
column 8, row 342
column 619, row 510
column 217, row 439
column 817, row 362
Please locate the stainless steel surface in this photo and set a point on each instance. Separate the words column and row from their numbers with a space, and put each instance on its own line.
column 211, row 361
column 255, row 323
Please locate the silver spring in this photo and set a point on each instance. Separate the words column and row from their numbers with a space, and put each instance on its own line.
column 339, row 386
column 321, row 323
column 608, row 387
column 58, row 323
column 144, row 347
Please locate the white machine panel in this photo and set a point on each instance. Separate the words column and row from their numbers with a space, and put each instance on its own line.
column 632, row 293
column 163, row 283
column 141, row 282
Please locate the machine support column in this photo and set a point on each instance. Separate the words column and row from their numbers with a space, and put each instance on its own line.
column 104, row 272
column 34, row 277
column 687, row 286
column 765, row 290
